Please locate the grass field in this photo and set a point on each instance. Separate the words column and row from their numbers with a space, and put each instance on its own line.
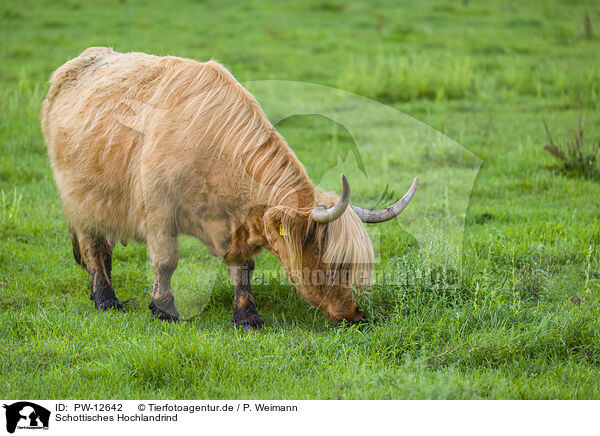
column 523, row 321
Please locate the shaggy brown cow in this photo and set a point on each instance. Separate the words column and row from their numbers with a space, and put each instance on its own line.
column 148, row 147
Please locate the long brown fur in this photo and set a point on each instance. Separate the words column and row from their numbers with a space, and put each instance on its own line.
column 143, row 146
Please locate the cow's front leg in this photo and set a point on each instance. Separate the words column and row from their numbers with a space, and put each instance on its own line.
column 244, row 308
column 164, row 253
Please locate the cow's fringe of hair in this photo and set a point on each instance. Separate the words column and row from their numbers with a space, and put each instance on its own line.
column 348, row 245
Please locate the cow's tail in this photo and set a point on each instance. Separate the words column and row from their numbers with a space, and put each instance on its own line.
column 76, row 248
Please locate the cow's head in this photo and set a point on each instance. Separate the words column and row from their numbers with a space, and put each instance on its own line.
column 326, row 250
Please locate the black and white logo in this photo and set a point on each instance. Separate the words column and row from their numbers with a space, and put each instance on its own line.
column 26, row 415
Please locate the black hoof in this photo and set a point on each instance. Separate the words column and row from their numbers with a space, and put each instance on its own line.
column 105, row 300
column 249, row 322
column 110, row 304
column 161, row 314
column 103, row 295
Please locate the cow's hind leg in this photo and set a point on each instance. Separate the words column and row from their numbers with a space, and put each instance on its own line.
column 245, row 314
column 164, row 253
column 94, row 254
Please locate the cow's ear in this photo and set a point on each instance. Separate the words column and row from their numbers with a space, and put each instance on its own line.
column 283, row 225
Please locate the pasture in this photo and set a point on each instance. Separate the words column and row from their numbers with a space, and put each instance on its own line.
column 507, row 309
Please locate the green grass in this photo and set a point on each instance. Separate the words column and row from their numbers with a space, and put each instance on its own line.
column 516, row 315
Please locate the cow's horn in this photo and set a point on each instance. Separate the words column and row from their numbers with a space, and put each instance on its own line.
column 381, row 215
column 324, row 215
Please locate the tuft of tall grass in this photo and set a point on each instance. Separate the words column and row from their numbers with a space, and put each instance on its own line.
column 574, row 158
column 531, row 282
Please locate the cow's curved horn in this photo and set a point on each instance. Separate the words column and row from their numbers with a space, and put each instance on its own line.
column 381, row 215
column 324, row 215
